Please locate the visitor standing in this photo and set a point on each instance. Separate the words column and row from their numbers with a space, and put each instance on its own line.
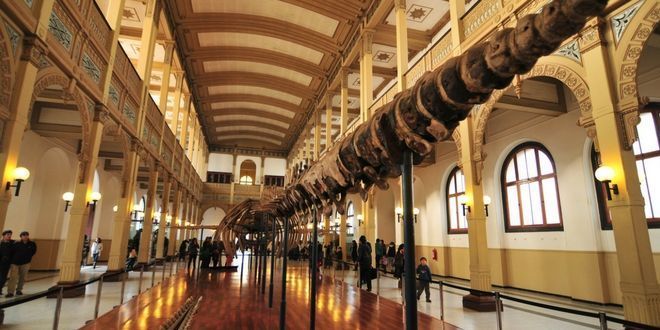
column 364, row 256
column 97, row 248
column 424, row 279
column 6, row 249
column 354, row 254
column 398, row 264
column 183, row 248
column 391, row 253
column 379, row 252
column 22, row 254
column 193, row 250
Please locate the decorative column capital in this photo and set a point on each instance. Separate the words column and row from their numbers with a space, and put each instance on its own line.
column 101, row 113
column 401, row 4
column 33, row 49
column 367, row 41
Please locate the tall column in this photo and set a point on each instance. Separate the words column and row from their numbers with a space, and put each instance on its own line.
column 144, row 255
column 164, row 208
column 401, row 18
column 366, row 74
column 328, row 121
column 343, row 231
column 317, row 134
column 476, row 218
column 19, row 107
column 456, row 11
column 343, row 121
column 176, row 222
column 165, row 82
column 176, row 107
column 184, row 124
column 184, row 213
column 308, row 145
column 122, row 218
column 115, row 7
column 262, row 172
column 70, row 266
column 148, row 40
column 639, row 285
column 326, row 233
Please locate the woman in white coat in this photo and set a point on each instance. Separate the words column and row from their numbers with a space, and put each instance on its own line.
column 97, row 247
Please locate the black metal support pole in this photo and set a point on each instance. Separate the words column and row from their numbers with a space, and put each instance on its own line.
column 264, row 262
column 409, row 241
column 285, row 249
column 315, row 260
column 259, row 263
column 242, row 262
column 272, row 264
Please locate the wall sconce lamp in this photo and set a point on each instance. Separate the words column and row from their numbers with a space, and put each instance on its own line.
column 310, row 226
column 115, row 208
column 399, row 214
column 360, row 218
column 19, row 174
column 168, row 219
column 605, row 174
column 68, row 198
column 463, row 200
column 486, row 203
column 95, row 196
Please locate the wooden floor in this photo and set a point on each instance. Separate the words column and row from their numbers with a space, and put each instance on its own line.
column 231, row 303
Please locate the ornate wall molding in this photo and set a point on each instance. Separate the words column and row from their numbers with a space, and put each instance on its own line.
column 570, row 78
column 628, row 61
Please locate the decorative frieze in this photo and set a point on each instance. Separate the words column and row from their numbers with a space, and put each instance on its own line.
column 14, row 37
column 59, row 30
column 90, row 68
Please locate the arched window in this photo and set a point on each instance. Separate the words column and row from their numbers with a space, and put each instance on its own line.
column 647, row 155
column 457, row 223
column 248, row 172
column 529, row 187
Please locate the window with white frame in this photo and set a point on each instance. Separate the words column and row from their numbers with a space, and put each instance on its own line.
column 457, row 222
column 530, row 190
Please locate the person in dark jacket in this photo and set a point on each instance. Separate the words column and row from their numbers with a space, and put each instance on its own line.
column 22, row 254
column 215, row 253
column 423, row 279
column 339, row 255
column 398, row 264
column 193, row 250
column 354, row 253
column 364, row 257
column 205, row 252
column 6, row 250
column 182, row 250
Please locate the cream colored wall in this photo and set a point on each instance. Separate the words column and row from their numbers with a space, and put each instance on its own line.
column 40, row 210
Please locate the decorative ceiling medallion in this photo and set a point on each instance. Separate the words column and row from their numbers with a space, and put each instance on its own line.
column 620, row 22
column 356, row 82
column 155, row 77
column 29, row 3
column 570, row 50
column 383, row 56
column 131, row 14
column 417, row 13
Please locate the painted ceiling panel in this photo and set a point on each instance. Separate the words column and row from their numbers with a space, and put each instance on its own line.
column 276, row 9
column 215, row 39
column 254, row 90
column 267, row 69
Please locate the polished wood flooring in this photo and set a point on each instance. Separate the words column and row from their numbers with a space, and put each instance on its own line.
column 231, row 302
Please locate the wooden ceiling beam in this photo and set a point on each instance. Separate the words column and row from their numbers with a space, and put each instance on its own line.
column 249, row 54
column 234, row 78
column 260, row 25
column 249, row 98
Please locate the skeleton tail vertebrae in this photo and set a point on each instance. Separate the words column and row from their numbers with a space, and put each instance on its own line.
column 430, row 110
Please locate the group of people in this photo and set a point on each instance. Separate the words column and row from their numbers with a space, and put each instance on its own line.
column 15, row 258
column 210, row 251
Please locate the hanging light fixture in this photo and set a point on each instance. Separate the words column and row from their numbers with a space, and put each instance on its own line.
column 95, row 196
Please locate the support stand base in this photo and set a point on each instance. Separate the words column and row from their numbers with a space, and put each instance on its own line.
column 480, row 302
column 114, row 277
column 67, row 293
